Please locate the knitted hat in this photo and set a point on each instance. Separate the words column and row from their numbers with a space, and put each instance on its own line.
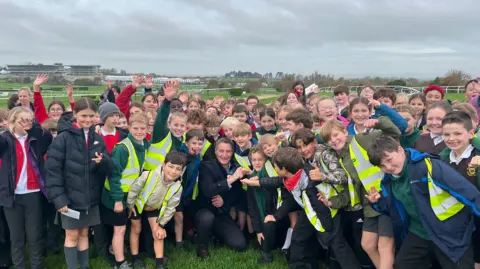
column 434, row 88
column 107, row 109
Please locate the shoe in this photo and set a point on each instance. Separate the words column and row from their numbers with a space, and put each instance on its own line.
column 124, row 265
column 160, row 266
column 138, row 264
column 202, row 252
column 286, row 253
column 266, row 258
column 179, row 245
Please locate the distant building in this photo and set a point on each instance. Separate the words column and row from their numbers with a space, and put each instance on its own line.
column 82, row 70
column 34, row 69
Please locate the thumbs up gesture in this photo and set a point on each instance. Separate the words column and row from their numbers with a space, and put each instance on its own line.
column 315, row 173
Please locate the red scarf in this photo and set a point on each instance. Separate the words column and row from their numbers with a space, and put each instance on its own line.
column 293, row 181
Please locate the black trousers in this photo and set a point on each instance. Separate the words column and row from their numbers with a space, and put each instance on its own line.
column 5, row 256
column 222, row 226
column 52, row 233
column 302, row 250
column 416, row 252
column 25, row 221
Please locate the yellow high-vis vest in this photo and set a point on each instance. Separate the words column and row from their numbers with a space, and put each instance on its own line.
column 271, row 172
column 206, row 146
column 369, row 175
column 244, row 162
column 132, row 170
column 157, row 152
column 149, row 187
column 354, row 199
column 443, row 204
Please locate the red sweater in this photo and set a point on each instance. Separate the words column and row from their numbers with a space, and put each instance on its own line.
column 32, row 181
column 111, row 140
column 123, row 100
column 40, row 111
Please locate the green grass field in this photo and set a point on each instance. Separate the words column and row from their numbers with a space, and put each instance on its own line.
column 220, row 258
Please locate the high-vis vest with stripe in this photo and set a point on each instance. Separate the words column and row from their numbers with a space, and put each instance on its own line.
column 354, row 199
column 132, row 170
column 272, row 173
column 328, row 190
column 157, row 152
column 443, row 204
column 369, row 175
column 206, row 146
column 149, row 187
column 244, row 162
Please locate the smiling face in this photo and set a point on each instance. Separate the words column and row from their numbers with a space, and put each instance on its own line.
column 360, row 113
column 224, row 153
column 194, row 145
column 306, row 151
column 417, row 105
column 193, row 105
column 171, row 171
column 342, row 99
column 433, row 96
column 326, row 109
column 24, row 97
column 338, row 139
column 471, row 91
column 258, row 160
column 55, row 112
column 281, row 120
column 267, row 122
column 411, row 121
column 292, row 99
column 393, row 162
column 243, row 140
column 122, row 123
column 434, row 120
column 150, row 102
column 456, row 137
column 138, row 130
column 177, row 126
column 85, row 118
column 269, row 148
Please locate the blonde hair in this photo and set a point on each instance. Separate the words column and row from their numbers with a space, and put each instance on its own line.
column 242, row 129
column 25, row 89
column 229, row 122
column 267, row 139
column 177, row 115
column 138, row 117
column 285, row 108
column 4, row 114
column 13, row 116
column 328, row 127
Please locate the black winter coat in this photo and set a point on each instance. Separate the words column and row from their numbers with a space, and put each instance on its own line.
column 73, row 179
column 212, row 181
column 38, row 141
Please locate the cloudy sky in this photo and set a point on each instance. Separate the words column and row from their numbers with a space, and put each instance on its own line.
column 351, row 38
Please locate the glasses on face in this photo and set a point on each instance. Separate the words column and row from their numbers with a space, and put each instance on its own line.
column 326, row 108
column 56, row 110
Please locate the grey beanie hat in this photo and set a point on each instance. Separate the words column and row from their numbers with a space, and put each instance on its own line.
column 106, row 109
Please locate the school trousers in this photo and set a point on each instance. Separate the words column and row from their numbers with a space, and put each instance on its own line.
column 222, row 226
column 25, row 221
column 416, row 253
column 305, row 241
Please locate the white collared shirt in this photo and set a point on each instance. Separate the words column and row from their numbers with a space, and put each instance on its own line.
column 105, row 133
column 23, row 177
column 437, row 139
column 465, row 155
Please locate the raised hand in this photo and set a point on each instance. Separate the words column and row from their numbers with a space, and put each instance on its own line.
column 374, row 103
column 371, row 123
column 70, row 93
column 98, row 157
column 148, row 82
column 137, row 81
column 170, row 89
column 315, row 174
column 373, row 195
column 39, row 81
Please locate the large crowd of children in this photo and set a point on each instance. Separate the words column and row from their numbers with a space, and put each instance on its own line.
column 372, row 179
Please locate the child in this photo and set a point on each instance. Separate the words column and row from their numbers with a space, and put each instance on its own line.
column 109, row 114
column 386, row 96
column 77, row 166
column 156, row 194
column 267, row 123
column 150, row 101
column 470, row 110
column 256, row 113
column 151, row 115
column 176, row 106
column 341, row 93
column 193, row 104
column 418, row 102
column 281, row 119
column 167, row 131
column 184, row 97
column 242, row 134
column 128, row 157
column 377, row 235
column 196, row 119
column 402, row 100
column 412, row 133
column 228, row 125
column 432, row 142
column 461, row 151
column 4, row 119
column 241, row 113
column 326, row 110
column 361, row 111
column 227, row 108
column 367, row 92
column 433, row 94
column 217, row 101
column 122, row 122
column 192, row 147
column 22, row 147
column 430, row 204
column 212, row 128
column 297, row 119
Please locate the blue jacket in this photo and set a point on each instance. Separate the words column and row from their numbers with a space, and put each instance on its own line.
column 453, row 235
column 384, row 110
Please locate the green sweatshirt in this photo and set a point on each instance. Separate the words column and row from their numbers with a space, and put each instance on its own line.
column 260, row 193
column 120, row 158
column 403, row 193
column 160, row 127
column 366, row 141
column 408, row 141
